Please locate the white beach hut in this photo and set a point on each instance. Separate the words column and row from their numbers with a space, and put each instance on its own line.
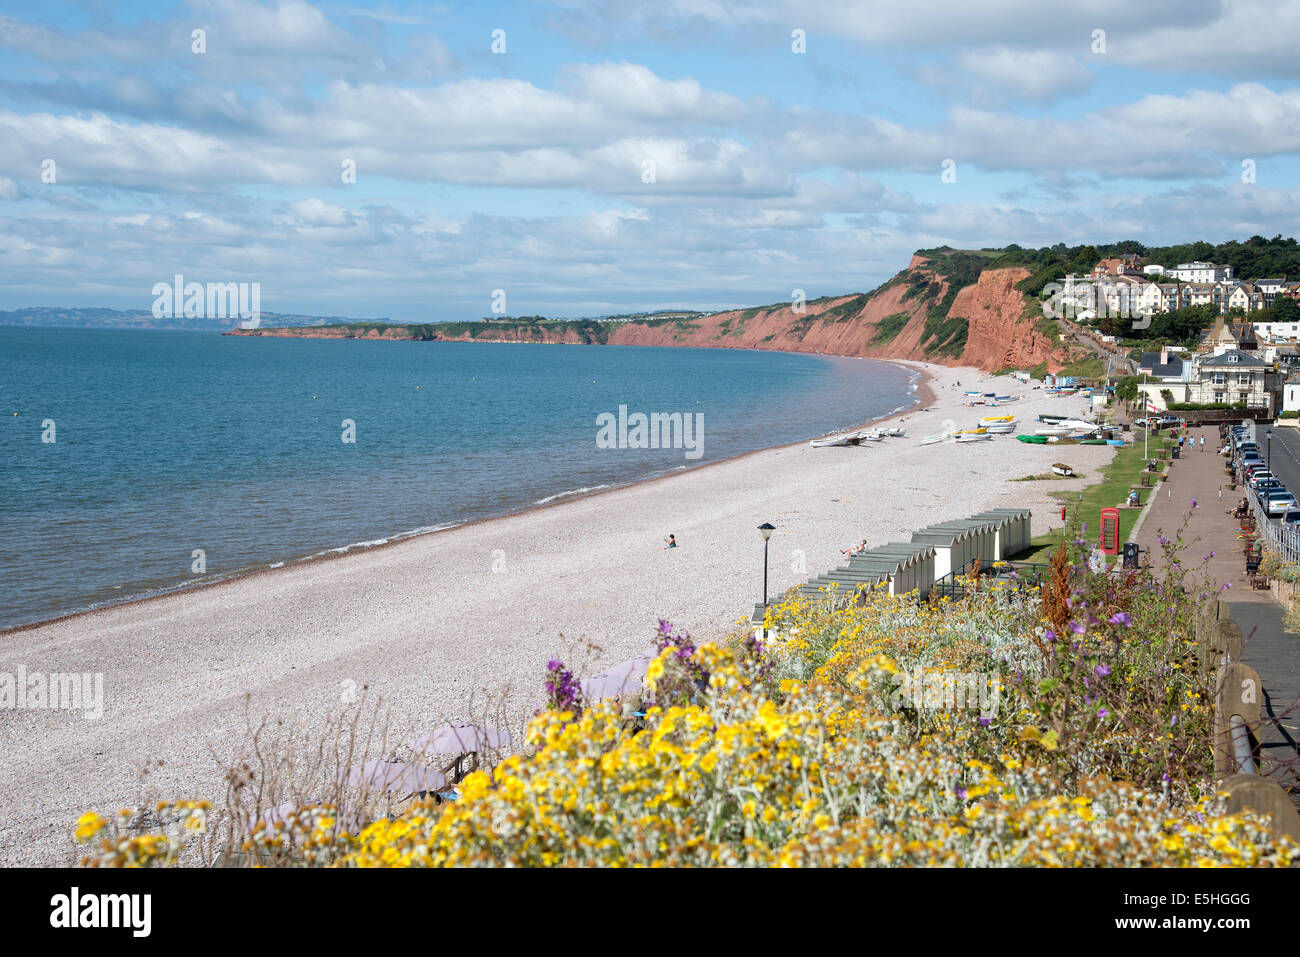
column 954, row 546
column 1012, row 530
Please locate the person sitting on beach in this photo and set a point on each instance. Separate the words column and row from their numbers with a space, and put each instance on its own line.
column 854, row 549
column 670, row 542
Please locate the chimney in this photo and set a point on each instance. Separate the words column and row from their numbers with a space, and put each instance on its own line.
column 1164, row 355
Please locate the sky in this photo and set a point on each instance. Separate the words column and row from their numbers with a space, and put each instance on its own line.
column 584, row 158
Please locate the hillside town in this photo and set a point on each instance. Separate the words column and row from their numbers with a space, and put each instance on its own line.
column 1127, row 287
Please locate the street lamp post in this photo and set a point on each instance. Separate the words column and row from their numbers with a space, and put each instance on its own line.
column 766, row 530
column 1268, row 447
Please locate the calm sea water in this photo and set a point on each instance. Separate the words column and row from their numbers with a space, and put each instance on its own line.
column 167, row 442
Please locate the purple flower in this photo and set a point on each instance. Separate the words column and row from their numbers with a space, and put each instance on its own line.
column 1194, row 505
column 1102, row 671
column 1049, row 635
column 961, row 793
column 563, row 692
column 1102, row 713
column 1120, row 618
column 985, row 722
column 1077, row 628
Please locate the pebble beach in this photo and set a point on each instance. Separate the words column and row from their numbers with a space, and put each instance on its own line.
column 436, row 626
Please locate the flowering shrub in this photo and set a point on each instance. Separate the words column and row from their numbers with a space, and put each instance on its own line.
column 563, row 690
column 808, row 749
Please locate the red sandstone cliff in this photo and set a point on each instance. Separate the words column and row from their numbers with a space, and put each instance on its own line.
column 986, row 325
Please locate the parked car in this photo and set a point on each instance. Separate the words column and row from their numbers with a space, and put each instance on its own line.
column 1249, row 465
column 1291, row 516
column 1279, row 502
column 1264, row 491
column 1259, row 476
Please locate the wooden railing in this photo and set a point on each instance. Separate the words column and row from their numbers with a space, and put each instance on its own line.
column 1237, row 717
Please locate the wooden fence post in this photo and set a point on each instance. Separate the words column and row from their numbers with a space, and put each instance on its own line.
column 1263, row 795
column 1221, row 639
column 1237, row 693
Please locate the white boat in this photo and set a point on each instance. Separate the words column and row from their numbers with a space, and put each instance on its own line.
column 833, row 440
column 897, row 431
column 871, row 436
column 1079, row 425
column 1004, row 428
column 932, row 439
column 974, row 437
column 1060, row 468
column 1054, row 430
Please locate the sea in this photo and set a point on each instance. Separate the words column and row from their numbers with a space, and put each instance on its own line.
column 137, row 462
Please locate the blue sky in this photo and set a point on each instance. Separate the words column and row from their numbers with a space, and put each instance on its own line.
column 523, row 170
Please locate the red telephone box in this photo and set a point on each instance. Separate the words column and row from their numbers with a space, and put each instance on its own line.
column 1110, row 531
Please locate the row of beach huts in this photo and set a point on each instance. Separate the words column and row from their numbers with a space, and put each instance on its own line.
column 933, row 554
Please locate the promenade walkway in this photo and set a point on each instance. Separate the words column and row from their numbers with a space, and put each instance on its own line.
column 1268, row 647
column 1198, row 476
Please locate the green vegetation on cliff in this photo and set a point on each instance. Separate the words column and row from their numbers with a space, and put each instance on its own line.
column 889, row 327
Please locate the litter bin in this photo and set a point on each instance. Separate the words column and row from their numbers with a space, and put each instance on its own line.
column 1131, row 554
column 1174, row 452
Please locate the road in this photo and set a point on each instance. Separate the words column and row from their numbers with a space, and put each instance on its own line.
column 1283, row 459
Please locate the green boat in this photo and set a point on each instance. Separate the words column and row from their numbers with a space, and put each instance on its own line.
column 1033, row 439
column 1093, row 442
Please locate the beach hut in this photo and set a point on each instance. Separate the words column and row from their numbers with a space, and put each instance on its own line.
column 1012, row 531
column 844, row 584
column 955, row 546
column 910, row 565
column 982, row 543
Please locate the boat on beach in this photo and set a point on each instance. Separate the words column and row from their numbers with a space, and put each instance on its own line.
column 1003, row 428
column 831, row 440
column 1062, row 469
column 1056, row 430
column 1033, row 439
column 934, row 439
column 1079, row 425
column 974, row 437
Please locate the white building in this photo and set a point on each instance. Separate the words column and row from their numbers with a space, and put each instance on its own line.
column 1155, row 269
column 1291, row 394
column 1278, row 331
column 1201, row 272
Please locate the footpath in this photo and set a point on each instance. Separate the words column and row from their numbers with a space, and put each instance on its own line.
column 1198, row 476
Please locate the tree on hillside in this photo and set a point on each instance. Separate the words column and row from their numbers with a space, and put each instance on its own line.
column 1286, row 309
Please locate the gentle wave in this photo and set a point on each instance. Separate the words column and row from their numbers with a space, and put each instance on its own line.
column 573, row 491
